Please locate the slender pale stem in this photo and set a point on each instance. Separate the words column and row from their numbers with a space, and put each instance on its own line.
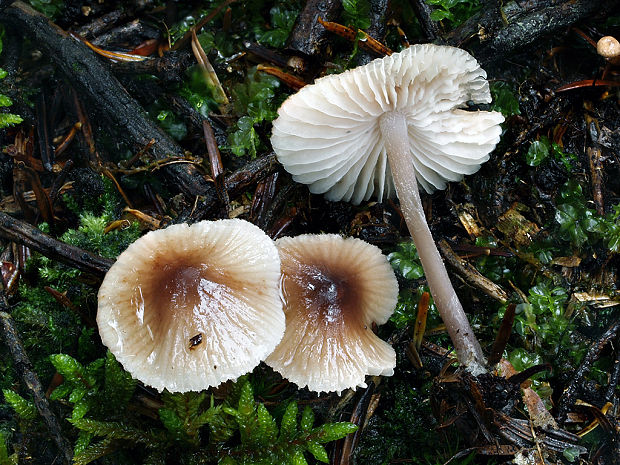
column 394, row 129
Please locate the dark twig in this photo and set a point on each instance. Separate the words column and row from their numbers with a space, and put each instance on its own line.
column 101, row 24
column 272, row 213
column 45, row 149
column 358, row 417
column 614, row 378
column 569, row 395
column 526, row 374
column 169, row 68
column 23, row 233
column 236, row 183
column 596, row 165
column 31, row 381
column 263, row 196
column 503, row 333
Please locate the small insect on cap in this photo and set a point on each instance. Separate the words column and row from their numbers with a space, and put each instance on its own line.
column 188, row 307
column 333, row 290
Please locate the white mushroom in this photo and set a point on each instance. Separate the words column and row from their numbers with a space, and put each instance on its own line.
column 376, row 129
column 188, row 307
column 333, row 290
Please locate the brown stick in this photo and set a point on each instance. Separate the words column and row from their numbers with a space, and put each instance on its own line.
column 26, row 234
column 31, row 381
column 471, row 274
column 217, row 169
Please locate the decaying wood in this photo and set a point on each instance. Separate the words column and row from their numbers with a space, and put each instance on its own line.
column 501, row 28
column 169, row 68
column 21, row 232
column 103, row 93
column 103, row 23
column 31, row 381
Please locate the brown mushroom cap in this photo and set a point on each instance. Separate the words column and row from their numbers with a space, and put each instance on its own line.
column 333, row 290
column 188, row 307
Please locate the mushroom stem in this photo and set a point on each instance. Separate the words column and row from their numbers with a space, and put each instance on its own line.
column 394, row 129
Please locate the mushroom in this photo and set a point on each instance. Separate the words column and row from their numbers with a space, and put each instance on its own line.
column 382, row 128
column 333, row 290
column 188, row 307
column 609, row 48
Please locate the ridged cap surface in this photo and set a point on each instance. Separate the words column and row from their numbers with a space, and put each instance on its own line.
column 188, row 307
column 333, row 290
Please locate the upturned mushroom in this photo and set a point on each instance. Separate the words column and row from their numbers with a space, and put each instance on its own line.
column 188, row 307
column 381, row 128
column 333, row 290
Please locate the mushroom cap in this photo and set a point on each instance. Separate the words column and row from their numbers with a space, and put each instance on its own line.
column 608, row 47
column 333, row 290
column 327, row 135
column 188, row 307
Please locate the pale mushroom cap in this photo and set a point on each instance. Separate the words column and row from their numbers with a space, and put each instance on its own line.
column 333, row 290
column 327, row 135
column 188, row 307
column 608, row 47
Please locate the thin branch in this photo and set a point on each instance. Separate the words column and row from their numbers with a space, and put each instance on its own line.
column 26, row 234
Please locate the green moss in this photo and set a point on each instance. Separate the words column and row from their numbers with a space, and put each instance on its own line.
column 193, row 429
column 255, row 101
column 6, row 119
column 453, row 12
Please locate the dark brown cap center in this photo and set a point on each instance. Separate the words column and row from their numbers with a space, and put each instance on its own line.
column 328, row 295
